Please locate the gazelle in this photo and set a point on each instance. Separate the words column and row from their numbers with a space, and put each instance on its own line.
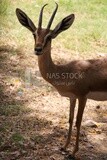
column 81, row 79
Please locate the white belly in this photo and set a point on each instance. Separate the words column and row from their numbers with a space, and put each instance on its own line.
column 98, row 96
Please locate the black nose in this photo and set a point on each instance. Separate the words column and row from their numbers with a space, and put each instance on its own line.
column 38, row 49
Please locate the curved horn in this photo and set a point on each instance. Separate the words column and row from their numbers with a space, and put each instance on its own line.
column 40, row 16
column 52, row 17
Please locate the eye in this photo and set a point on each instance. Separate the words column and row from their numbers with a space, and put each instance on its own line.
column 46, row 39
column 34, row 35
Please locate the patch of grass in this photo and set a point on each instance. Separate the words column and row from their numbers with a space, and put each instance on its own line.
column 17, row 137
column 13, row 110
column 4, row 4
column 2, row 129
column 8, row 110
column 37, row 138
column 88, row 27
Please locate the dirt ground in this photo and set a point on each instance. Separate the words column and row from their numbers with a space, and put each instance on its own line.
column 34, row 117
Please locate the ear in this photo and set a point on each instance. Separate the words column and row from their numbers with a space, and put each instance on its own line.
column 63, row 25
column 25, row 20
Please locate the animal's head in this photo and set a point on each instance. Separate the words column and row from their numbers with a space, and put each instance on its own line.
column 43, row 36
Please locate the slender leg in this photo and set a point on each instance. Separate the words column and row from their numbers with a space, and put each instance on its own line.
column 82, row 103
column 71, row 117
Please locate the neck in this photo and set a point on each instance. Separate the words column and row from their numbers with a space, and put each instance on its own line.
column 45, row 62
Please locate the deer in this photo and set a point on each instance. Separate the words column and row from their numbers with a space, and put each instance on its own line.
column 78, row 79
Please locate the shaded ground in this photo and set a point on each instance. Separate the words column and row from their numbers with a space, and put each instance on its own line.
column 34, row 117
